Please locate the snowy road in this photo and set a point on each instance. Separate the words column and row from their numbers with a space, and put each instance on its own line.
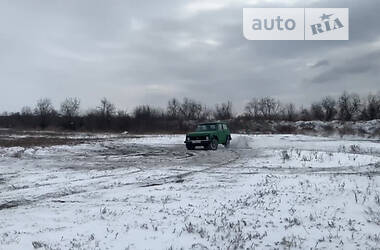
column 266, row 191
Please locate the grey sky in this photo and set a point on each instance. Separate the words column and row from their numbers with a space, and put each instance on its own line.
column 145, row 52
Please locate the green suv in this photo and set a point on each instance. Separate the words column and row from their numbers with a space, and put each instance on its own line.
column 209, row 135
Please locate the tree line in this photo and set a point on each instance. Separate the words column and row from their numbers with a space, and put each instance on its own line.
column 180, row 115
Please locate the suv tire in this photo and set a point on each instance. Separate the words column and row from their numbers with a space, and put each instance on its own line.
column 227, row 144
column 213, row 144
column 190, row 147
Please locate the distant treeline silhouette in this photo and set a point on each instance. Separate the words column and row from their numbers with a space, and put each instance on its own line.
column 180, row 116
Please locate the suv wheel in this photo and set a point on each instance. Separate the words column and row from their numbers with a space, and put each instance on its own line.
column 190, row 147
column 227, row 144
column 214, row 144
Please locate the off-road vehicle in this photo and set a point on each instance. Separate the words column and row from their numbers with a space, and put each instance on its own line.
column 209, row 135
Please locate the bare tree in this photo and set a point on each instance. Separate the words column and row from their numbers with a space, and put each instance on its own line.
column 356, row 106
column 146, row 113
column 70, row 107
column 372, row 109
column 289, row 112
column 316, row 111
column 106, row 108
column 105, row 114
column 344, row 107
column 328, row 105
column 223, row 111
column 305, row 114
column 174, row 108
column 252, row 108
column 266, row 107
column 206, row 114
column 191, row 109
column 348, row 106
column 269, row 107
column 147, row 118
column 69, row 110
column 44, row 110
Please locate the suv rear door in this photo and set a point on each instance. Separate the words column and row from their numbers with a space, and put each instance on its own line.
column 226, row 131
column 221, row 133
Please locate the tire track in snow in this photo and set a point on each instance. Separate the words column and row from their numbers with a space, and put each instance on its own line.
column 107, row 181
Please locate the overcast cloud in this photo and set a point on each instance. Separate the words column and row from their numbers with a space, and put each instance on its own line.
column 145, row 52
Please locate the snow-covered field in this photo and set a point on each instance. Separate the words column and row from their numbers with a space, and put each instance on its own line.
column 266, row 191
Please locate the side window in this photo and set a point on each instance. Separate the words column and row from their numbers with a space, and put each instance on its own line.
column 224, row 127
column 220, row 127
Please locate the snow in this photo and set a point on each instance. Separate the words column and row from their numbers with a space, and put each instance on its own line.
column 159, row 139
column 149, row 192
